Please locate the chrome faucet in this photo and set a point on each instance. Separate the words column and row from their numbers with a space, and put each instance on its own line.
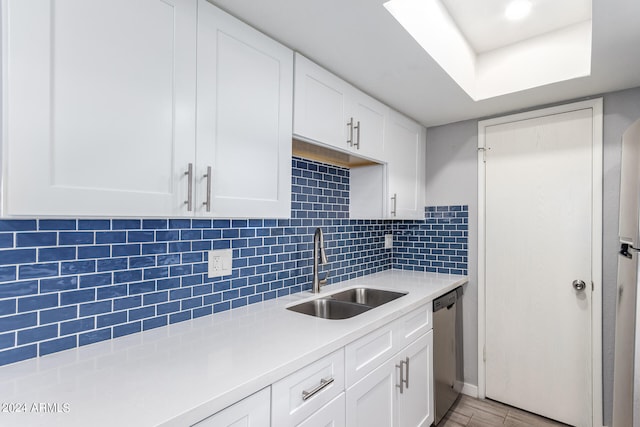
column 319, row 257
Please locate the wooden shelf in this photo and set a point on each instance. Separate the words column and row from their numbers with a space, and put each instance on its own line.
column 331, row 156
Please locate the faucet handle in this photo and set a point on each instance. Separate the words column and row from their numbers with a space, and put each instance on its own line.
column 326, row 277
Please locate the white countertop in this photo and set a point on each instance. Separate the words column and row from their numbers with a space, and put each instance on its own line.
column 179, row 374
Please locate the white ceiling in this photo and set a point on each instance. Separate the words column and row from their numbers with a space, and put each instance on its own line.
column 361, row 42
column 485, row 28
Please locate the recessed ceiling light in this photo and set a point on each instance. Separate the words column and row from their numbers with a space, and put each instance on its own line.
column 517, row 10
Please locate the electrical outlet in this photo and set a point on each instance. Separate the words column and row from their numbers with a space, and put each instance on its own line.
column 388, row 241
column 220, row 262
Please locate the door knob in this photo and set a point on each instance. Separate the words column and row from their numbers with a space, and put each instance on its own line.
column 579, row 285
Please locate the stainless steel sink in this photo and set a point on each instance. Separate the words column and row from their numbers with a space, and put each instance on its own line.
column 346, row 304
column 328, row 308
column 367, row 296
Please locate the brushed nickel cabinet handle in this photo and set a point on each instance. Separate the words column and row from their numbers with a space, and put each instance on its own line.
column 189, row 174
column 324, row 382
column 401, row 385
column 357, row 127
column 207, row 203
column 395, row 204
column 406, row 364
column 350, row 140
column 404, row 374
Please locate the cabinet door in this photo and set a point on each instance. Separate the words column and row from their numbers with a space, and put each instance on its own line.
column 99, row 100
column 369, row 122
column 372, row 401
column 245, row 101
column 415, row 404
column 319, row 105
column 331, row 415
column 253, row 411
column 404, row 150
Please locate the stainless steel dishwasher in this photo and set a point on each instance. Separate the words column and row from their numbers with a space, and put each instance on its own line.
column 447, row 351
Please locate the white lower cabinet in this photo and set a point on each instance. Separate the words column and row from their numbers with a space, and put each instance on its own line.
column 415, row 402
column 330, row 415
column 390, row 373
column 372, row 401
column 300, row 395
column 252, row 411
column 398, row 393
column 384, row 378
column 414, row 324
column 365, row 354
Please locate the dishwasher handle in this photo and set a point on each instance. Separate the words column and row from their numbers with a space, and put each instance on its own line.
column 447, row 300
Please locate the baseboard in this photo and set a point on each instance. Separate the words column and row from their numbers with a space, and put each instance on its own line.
column 469, row 390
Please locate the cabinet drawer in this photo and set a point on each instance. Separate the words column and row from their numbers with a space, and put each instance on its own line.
column 367, row 353
column 302, row 393
column 413, row 325
column 252, row 411
column 332, row 414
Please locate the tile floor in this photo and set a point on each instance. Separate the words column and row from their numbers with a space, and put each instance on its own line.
column 472, row 412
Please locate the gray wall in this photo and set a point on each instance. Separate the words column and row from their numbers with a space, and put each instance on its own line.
column 452, row 178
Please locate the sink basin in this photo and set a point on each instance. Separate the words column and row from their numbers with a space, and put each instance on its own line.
column 328, row 308
column 346, row 304
column 367, row 296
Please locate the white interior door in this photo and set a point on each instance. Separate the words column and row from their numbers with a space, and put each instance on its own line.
column 538, row 241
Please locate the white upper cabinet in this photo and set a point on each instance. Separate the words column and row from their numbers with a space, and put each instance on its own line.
column 98, row 101
column 244, row 115
column 368, row 124
column 330, row 111
column 404, row 151
column 112, row 110
column 319, row 104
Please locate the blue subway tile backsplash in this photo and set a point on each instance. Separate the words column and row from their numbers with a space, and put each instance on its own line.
column 439, row 244
column 71, row 282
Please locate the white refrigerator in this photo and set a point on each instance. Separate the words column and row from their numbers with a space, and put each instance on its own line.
column 626, row 378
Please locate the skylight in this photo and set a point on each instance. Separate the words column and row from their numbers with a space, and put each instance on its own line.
column 489, row 55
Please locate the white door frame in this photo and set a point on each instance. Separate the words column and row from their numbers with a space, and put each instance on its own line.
column 596, row 234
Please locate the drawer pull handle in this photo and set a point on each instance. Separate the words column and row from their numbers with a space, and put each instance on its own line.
column 324, row 382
